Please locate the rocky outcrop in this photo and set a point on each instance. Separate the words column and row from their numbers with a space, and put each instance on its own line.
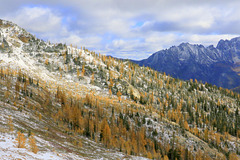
column 5, row 47
column 13, row 36
column 23, row 38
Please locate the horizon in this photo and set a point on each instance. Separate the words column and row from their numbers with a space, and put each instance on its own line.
column 128, row 30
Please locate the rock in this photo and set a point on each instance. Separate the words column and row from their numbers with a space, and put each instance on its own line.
column 4, row 47
column 23, row 38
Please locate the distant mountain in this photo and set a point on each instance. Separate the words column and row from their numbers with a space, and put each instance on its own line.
column 216, row 65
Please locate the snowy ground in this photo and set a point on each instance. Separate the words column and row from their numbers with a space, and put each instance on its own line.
column 9, row 151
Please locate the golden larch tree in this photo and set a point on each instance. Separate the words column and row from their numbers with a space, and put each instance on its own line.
column 165, row 157
column 206, row 134
column 110, row 91
column 46, row 61
column 186, row 125
column 92, row 78
column 78, row 73
column 83, row 70
column 119, row 95
column 32, row 144
column 10, row 123
column 20, row 140
column 107, row 135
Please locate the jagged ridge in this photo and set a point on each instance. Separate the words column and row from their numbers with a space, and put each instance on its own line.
column 216, row 65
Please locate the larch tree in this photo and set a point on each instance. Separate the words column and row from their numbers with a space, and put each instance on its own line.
column 83, row 70
column 40, row 116
column 78, row 73
column 206, row 134
column 106, row 134
column 111, row 83
column 233, row 156
column 110, row 91
column 119, row 95
column 217, row 137
column 10, row 123
column 46, row 61
column 165, row 157
column 92, row 78
column 20, row 140
column 186, row 125
column 149, row 155
column 32, row 144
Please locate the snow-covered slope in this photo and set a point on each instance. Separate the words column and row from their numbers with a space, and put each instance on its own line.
column 46, row 64
column 23, row 51
column 9, row 151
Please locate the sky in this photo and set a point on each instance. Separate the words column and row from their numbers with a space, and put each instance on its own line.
column 132, row 29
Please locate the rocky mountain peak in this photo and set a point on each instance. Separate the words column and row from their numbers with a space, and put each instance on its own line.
column 217, row 65
column 227, row 44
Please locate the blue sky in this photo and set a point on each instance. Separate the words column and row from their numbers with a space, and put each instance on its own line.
column 126, row 28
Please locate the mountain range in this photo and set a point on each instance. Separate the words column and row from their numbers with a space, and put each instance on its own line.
column 218, row 65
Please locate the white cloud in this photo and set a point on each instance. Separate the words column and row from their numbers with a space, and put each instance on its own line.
column 47, row 24
column 36, row 19
column 208, row 39
column 107, row 25
column 89, row 42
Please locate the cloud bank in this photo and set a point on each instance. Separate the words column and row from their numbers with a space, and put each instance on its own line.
column 126, row 29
